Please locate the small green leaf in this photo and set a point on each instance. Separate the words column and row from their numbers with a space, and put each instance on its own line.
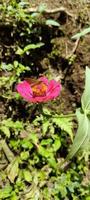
column 18, row 125
column 52, row 22
column 82, row 33
column 5, row 130
column 14, row 196
column 45, row 126
column 52, row 162
column 65, row 123
column 6, row 67
column 9, row 154
column 46, row 141
column 19, row 51
column 57, row 144
column 33, row 46
column 34, row 138
column 85, row 100
column 12, row 170
column 27, row 175
column 5, row 192
column 41, row 8
column 46, row 111
column 26, row 144
column 24, row 155
column 47, row 153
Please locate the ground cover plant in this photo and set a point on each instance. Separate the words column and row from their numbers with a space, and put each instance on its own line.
column 45, row 100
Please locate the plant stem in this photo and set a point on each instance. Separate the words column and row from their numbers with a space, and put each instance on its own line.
column 68, row 115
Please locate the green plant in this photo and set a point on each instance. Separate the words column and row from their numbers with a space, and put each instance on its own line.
column 12, row 72
column 82, row 138
column 82, row 33
column 35, row 141
column 28, row 47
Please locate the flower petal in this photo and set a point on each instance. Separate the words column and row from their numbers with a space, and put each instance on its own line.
column 24, row 90
column 44, row 80
column 54, row 89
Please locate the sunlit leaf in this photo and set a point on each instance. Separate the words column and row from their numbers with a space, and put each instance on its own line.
column 82, row 134
column 45, row 152
column 85, row 100
column 52, row 22
column 26, row 144
column 46, row 141
column 33, row 46
column 5, row 192
column 24, row 155
column 46, row 111
column 41, row 8
column 5, row 130
column 19, row 51
column 65, row 123
column 9, row 154
column 57, row 144
column 34, row 138
column 27, row 175
column 82, row 33
column 45, row 126
column 12, row 170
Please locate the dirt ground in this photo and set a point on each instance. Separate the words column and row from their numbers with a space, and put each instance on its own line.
column 70, row 69
column 66, row 59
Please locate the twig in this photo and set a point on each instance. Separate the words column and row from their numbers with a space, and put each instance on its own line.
column 74, row 49
column 76, row 45
column 51, row 11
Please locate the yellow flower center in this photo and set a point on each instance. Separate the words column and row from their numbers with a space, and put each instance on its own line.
column 39, row 89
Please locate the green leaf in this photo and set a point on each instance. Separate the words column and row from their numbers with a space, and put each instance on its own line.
column 45, row 126
column 28, row 48
column 11, row 124
column 52, row 22
column 82, row 134
column 19, row 51
column 27, row 175
column 47, row 153
column 88, row 198
column 85, row 100
column 46, row 141
column 6, row 67
column 26, row 144
column 52, row 162
column 41, row 8
column 18, row 125
column 12, row 170
column 24, row 155
column 7, row 151
column 33, row 46
column 57, row 144
column 14, row 196
column 5, row 192
column 65, row 123
column 5, row 130
column 82, row 33
column 46, row 111
column 34, row 138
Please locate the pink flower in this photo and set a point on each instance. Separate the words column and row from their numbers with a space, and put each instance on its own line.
column 40, row 90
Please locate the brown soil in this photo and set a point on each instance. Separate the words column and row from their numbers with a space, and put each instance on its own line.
column 65, row 61
column 72, row 74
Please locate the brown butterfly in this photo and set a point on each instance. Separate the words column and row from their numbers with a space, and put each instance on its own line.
column 38, row 86
column 33, row 81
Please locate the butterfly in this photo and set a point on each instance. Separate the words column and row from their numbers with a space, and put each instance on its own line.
column 33, row 81
column 38, row 86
